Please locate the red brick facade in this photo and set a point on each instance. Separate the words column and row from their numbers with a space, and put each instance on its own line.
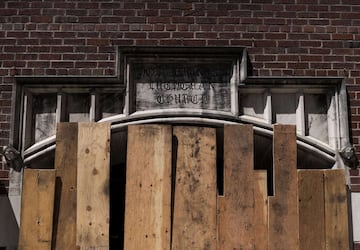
column 316, row 38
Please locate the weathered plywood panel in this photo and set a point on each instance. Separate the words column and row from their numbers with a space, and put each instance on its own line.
column 37, row 208
column 65, row 199
column 283, row 206
column 311, row 209
column 148, row 187
column 194, row 219
column 237, row 207
column 261, row 210
column 93, row 212
column 336, row 210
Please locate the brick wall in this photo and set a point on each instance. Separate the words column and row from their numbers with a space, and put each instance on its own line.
column 283, row 37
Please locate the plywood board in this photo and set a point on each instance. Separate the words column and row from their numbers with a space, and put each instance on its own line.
column 93, row 212
column 261, row 209
column 237, row 207
column 148, row 187
column 336, row 210
column 311, row 209
column 194, row 219
column 37, row 208
column 64, row 236
column 283, row 206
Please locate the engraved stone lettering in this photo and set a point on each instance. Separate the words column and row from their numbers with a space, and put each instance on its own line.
column 175, row 85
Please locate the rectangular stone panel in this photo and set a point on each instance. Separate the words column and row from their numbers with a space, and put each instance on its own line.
column 178, row 85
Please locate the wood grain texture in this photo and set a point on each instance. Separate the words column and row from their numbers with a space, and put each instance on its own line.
column 194, row 219
column 93, row 204
column 336, row 210
column 37, row 208
column 148, row 187
column 283, row 206
column 237, row 207
column 311, row 209
column 261, row 209
column 64, row 236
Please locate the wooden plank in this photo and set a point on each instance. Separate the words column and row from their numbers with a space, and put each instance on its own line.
column 65, row 199
column 283, row 206
column 336, row 210
column 311, row 209
column 93, row 212
column 261, row 209
column 37, row 208
column 237, row 208
column 148, row 187
column 194, row 219
column 46, row 197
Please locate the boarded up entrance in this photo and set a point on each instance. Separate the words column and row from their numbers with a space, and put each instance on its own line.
column 172, row 197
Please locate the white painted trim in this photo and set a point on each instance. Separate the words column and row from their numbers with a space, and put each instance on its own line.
column 355, row 205
column 127, row 93
column 243, row 66
column 92, row 112
column 332, row 121
column 182, row 111
column 40, row 153
column 24, row 116
column 343, row 117
column 234, row 93
column 58, row 107
column 300, row 113
column 338, row 143
column 268, row 107
column 39, row 145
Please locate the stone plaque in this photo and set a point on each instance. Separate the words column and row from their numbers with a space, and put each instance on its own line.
column 182, row 85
